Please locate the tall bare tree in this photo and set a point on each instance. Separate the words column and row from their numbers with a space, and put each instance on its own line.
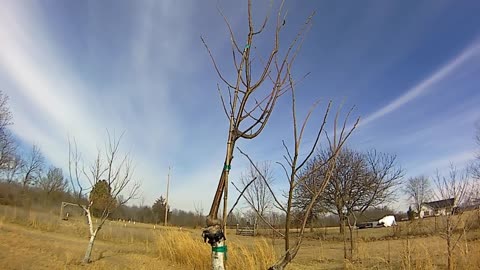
column 32, row 167
column 455, row 185
column 475, row 168
column 8, row 147
column 418, row 189
column 252, row 96
column 294, row 165
column 258, row 192
column 111, row 172
column 53, row 182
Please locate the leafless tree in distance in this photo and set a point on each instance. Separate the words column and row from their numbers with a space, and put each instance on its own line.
column 258, row 191
column 14, row 169
column 53, row 182
column 249, row 100
column 475, row 167
column 360, row 181
column 418, row 189
column 111, row 169
column 32, row 167
column 8, row 147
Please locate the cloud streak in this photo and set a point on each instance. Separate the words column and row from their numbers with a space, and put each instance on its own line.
column 425, row 85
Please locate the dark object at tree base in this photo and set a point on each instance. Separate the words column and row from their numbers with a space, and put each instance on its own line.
column 213, row 235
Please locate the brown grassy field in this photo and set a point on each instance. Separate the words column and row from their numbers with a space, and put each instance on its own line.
column 34, row 240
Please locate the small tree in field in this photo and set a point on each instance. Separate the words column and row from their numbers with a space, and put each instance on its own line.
column 455, row 185
column 101, row 183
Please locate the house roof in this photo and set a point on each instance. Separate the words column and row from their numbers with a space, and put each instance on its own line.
column 441, row 204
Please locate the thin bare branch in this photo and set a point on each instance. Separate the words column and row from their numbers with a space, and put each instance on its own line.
column 215, row 64
column 240, row 195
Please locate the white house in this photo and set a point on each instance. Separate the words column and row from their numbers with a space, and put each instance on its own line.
column 438, row 208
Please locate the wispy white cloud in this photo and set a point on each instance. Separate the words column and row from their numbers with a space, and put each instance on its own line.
column 425, row 85
column 50, row 102
column 41, row 81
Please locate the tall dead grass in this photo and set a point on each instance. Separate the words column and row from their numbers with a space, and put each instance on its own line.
column 192, row 253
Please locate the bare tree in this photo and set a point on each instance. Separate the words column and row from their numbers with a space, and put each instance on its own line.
column 293, row 166
column 32, row 167
column 14, row 169
column 303, row 194
column 418, row 190
column 475, row 167
column 456, row 186
column 477, row 136
column 8, row 146
column 199, row 213
column 252, row 96
column 257, row 193
column 359, row 181
column 53, row 182
column 105, row 184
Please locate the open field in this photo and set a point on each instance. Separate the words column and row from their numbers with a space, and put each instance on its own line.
column 34, row 240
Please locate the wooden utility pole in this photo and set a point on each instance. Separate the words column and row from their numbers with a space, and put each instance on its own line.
column 166, row 200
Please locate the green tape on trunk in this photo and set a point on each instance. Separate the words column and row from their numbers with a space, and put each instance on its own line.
column 222, row 249
column 227, row 167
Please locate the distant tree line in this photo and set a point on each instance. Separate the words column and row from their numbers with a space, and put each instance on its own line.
column 27, row 181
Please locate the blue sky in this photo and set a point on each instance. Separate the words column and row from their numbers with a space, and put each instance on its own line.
column 78, row 68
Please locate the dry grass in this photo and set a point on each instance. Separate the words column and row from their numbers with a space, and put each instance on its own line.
column 184, row 249
column 36, row 240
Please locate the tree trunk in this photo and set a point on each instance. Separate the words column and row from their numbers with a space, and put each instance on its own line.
column 341, row 222
column 219, row 251
column 350, row 227
column 88, row 253
column 344, row 239
column 287, row 223
column 449, row 244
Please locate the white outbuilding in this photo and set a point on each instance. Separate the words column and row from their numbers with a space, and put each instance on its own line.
column 387, row 221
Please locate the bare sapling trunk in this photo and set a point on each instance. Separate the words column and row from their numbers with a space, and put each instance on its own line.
column 249, row 105
column 108, row 177
column 93, row 235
